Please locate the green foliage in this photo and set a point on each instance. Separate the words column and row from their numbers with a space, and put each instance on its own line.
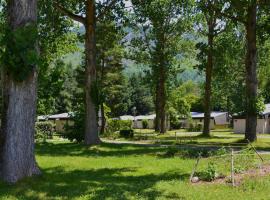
column 116, row 91
column 194, row 127
column 118, row 125
column 76, row 131
column 140, row 94
column 20, row 56
column 61, row 97
column 210, row 173
column 181, row 100
column 126, row 133
column 44, row 130
column 145, row 124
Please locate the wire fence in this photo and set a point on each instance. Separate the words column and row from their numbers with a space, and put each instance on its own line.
column 228, row 165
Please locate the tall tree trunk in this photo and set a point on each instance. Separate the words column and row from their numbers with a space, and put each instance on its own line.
column 101, row 85
column 208, row 82
column 91, row 128
column 17, row 159
column 162, row 101
column 103, row 119
column 157, row 102
column 251, row 74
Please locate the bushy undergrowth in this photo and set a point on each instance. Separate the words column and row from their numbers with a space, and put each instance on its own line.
column 44, row 130
column 118, row 125
column 194, row 127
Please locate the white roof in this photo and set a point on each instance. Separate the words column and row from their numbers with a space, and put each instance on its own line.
column 42, row 117
column 126, row 117
column 267, row 109
column 201, row 115
column 61, row 116
column 140, row 117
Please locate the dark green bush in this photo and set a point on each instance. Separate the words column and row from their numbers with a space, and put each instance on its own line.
column 144, row 124
column 175, row 125
column 118, row 125
column 126, row 133
column 195, row 127
column 44, row 130
column 76, row 132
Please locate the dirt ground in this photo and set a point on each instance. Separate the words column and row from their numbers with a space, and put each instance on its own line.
column 264, row 170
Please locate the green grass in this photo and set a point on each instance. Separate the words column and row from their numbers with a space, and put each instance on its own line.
column 111, row 171
column 222, row 137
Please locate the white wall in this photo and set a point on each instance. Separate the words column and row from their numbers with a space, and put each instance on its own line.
column 138, row 124
column 200, row 121
column 222, row 119
column 263, row 125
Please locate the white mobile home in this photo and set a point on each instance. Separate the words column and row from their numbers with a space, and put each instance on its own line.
column 263, row 122
column 150, row 119
column 61, row 120
column 137, row 121
column 218, row 119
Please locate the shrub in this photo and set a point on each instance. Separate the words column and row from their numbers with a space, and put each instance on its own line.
column 127, row 133
column 76, row 132
column 190, row 127
column 175, row 125
column 117, row 125
column 195, row 127
column 44, row 130
column 210, row 172
column 145, row 124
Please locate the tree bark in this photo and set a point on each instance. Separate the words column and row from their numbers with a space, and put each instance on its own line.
column 17, row 159
column 157, row 102
column 251, row 74
column 91, row 128
column 208, row 82
column 103, row 119
column 162, row 101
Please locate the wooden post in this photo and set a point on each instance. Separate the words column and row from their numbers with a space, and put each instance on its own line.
column 232, row 168
column 195, row 168
column 255, row 151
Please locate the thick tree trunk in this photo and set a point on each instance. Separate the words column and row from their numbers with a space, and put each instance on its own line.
column 208, row 82
column 19, row 107
column 91, row 128
column 251, row 74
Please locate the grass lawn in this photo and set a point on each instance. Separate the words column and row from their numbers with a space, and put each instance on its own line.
column 222, row 137
column 111, row 171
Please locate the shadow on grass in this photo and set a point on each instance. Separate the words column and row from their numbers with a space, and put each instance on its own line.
column 103, row 150
column 99, row 184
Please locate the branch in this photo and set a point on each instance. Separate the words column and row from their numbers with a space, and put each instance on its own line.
column 107, row 8
column 69, row 14
column 233, row 18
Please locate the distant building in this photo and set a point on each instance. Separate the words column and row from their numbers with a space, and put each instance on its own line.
column 217, row 120
column 137, row 121
column 60, row 120
column 263, row 122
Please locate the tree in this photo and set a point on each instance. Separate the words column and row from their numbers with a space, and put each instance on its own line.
column 60, row 98
column 213, row 29
column 141, row 97
column 229, row 71
column 20, row 60
column 110, row 53
column 88, row 8
column 160, row 25
column 245, row 12
column 180, row 101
